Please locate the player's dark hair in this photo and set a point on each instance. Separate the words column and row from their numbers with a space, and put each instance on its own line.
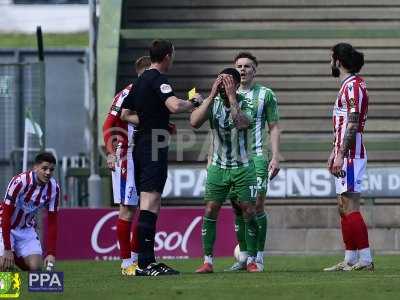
column 233, row 72
column 349, row 58
column 159, row 49
column 246, row 55
column 142, row 62
column 45, row 157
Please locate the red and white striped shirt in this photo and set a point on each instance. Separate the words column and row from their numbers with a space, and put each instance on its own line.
column 27, row 197
column 116, row 131
column 352, row 97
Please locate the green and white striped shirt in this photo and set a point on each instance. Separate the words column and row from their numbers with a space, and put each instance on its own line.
column 230, row 145
column 265, row 109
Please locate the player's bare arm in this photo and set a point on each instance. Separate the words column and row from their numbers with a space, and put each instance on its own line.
column 239, row 118
column 331, row 158
column 348, row 141
column 176, row 105
column 274, row 133
column 200, row 115
column 351, row 132
column 130, row 116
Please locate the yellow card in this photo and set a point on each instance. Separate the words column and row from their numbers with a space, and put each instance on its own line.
column 192, row 93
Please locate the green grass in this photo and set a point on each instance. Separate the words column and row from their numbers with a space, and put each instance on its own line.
column 286, row 277
column 72, row 40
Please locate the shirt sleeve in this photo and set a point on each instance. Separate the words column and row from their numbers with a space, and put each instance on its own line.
column 8, row 211
column 55, row 199
column 352, row 95
column 162, row 88
column 52, row 225
column 128, row 101
column 108, row 131
column 271, row 111
column 14, row 188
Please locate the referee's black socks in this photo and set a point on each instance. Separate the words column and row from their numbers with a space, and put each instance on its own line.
column 147, row 231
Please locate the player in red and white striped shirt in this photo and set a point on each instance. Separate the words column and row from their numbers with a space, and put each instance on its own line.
column 118, row 140
column 26, row 194
column 348, row 159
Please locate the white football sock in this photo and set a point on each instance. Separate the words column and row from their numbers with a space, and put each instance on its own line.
column 260, row 257
column 126, row 262
column 365, row 255
column 243, row 256
column 351, row 256
column 134, row 256
column 208, row 259
column 251, row 259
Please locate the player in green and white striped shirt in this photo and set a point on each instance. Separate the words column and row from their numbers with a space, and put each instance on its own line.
column 229, row 144
column 230, row 116
column 265, row 112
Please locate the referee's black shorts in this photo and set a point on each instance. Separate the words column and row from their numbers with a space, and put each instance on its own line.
column 150, row 168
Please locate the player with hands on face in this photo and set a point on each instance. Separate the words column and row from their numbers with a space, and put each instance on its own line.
column 229, row 115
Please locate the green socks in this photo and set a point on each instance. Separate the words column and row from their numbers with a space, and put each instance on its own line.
column 251, row 236
column 240, row 232
column 208, row 234
column 260, row 230
column 261, row 220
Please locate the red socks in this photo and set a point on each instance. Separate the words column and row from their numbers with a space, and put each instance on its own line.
column 354, row 231
column 123, row 235
column 359, row 229
column 346, row 234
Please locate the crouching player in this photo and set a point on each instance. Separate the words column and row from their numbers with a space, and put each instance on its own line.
column 26, row 194
column 118, row 139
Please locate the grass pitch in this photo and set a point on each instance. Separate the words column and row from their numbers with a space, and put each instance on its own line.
column 286, row 277
column 50, row 40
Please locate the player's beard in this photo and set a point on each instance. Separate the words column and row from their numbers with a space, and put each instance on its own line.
column 335, row 71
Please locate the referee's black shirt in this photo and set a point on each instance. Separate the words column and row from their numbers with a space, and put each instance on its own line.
column 148, row 98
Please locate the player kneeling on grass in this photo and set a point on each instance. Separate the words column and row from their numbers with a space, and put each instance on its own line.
column 229, row 115
column 118, row 140
column 26, row 194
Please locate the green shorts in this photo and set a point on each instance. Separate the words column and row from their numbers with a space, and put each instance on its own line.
column 261, row 166
column 240, row 181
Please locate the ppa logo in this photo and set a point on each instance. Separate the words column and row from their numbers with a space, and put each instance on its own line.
column 46, row 282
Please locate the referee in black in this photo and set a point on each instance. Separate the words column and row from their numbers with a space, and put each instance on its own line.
column 153, row 100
